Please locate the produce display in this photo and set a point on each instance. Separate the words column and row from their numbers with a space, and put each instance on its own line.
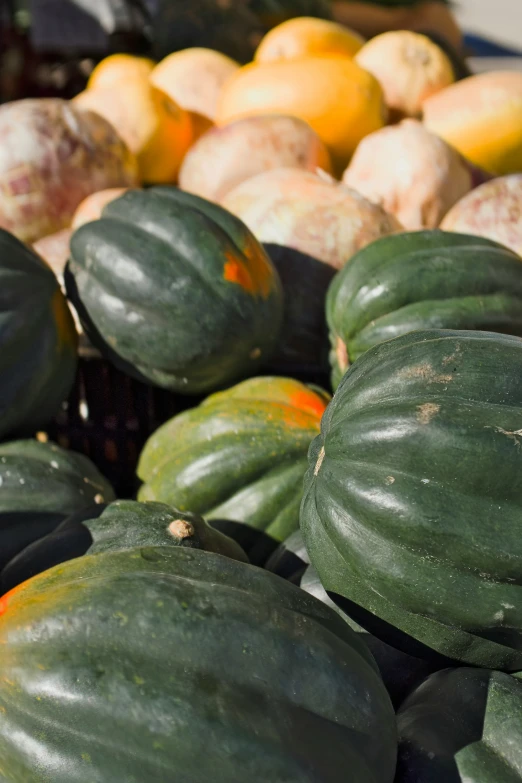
column 261, row 403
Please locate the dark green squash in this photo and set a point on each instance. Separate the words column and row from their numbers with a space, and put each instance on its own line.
column 462, row 726
column 44, row 477
column 400, row 672
column 175, row 290
column 240, row 455
column 38, row 341
column 123, row 524
column 412, row 507
column 421, row 280
column 166, row 664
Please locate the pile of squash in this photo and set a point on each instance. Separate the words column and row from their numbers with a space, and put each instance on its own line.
column 313, row 583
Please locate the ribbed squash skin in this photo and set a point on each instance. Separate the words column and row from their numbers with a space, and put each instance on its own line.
column 38, row 340
column 421, row 280
column 175, row 290
column 150, row 670
column 462, row 725
column 38, row 476
column 413, row 498
column 240, row 455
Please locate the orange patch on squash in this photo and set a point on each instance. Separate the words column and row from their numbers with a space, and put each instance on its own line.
column 253, row 275
column 235, row 271
column 310, row 402
column 5, row 600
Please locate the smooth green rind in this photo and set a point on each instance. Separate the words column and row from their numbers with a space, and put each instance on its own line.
column 126, row 524
column 38, row 476
column 162, row 664
column 412, row 503
column 421, row 280
column 240, row 455
column 175, row 290
column 462, row 726
column 38, row 341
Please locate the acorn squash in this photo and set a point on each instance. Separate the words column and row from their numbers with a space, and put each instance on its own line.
column 44, row 477
column 421, row 280
column 240, row 455
column 159, row 647
column 38, row 341
column 462, row 726
column 121, row 525
column 412, row 505
column 175, row 290
column 400, row 672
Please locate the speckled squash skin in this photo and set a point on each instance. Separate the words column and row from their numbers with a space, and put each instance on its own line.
column 175, row 290
column 421, row 280
column 157, row 649
column 462, row 725
column 38, row 476
column 413, row 497
column 38, row 341
column 240, row 455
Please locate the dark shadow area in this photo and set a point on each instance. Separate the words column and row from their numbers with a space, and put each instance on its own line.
column 442, row 718
column 387, row 633
column 18, row 529
column 69, row 540
column 257, row 545
column 290, row 560
column 304, row 342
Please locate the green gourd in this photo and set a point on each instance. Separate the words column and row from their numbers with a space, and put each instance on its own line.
column 38, row 341
column 240, row 455
column 412, row 506
column 175, row 290
column 43, row 477
column 166, row 663
column 421, row 280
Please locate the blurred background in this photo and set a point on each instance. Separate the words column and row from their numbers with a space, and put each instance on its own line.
column 49, row 47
